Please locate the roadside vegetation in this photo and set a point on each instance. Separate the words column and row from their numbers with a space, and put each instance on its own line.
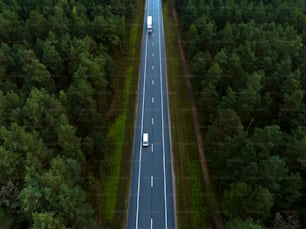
column 123, row 128
column 64, row 65
column 247, row 61
column 191, row 199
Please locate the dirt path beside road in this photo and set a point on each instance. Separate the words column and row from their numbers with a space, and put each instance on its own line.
column 215, row 211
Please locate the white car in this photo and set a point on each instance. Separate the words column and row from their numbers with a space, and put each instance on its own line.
column 145, row 139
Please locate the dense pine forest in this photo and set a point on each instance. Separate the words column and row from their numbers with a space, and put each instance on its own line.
column 248, row 69
column 57, row 81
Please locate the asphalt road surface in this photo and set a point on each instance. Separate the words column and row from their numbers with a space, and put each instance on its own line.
column 151, row 196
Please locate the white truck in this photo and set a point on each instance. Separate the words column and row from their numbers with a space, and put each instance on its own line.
column 149, row 24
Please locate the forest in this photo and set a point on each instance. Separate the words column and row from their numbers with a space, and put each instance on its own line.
column 248, row 70
column 57, row 81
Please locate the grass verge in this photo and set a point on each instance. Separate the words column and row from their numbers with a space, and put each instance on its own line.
column 191, row 202
column 116, row 184
column 116, row 135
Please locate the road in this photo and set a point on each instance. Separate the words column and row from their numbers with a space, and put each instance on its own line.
column 151, row 196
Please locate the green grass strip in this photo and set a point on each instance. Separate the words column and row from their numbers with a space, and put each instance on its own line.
column 191, row 199
column 116, row 135
column 120, row 137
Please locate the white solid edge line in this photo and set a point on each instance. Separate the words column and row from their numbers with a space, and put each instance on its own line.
column 170, row 138
column 162, row 113
column 141, row 130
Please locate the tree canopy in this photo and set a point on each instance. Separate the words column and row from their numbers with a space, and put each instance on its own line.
column 248, row 63
column 56, row 85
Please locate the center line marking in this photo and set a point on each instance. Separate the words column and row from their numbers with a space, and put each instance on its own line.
column 151, row 181
column 152, row 54
column 153, row 67
column 152, row 99
column 152, row 148
column 151, row 223
column 152, row 121
column 153, row 44
column 152, row 82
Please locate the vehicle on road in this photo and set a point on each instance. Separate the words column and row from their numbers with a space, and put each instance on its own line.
column 145, row 139
column 149, row 24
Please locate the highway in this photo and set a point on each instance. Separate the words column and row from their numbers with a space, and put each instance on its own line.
column 151, row 203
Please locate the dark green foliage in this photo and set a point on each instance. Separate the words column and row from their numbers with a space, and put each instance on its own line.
column 248, row 63
column 235, row 201
column 56, row 72
column 237, row 223
column 56, row 190
column 47, row 220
